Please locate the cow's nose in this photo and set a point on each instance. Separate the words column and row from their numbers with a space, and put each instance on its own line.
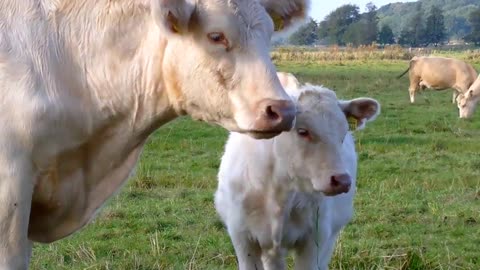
column 275, row 116
column 340, row 183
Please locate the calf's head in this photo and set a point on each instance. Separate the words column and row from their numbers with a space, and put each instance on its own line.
column 217, row 66
column 313, row 151
column 467, row 103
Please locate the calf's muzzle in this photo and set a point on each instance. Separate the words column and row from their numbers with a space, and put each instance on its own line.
column 339, row 183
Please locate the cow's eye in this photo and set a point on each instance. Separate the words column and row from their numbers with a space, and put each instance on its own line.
column 303, row 133
column 218, row 38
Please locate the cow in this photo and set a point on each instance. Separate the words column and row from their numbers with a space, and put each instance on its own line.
column 439, row 73
column 294, row 191
column 467, row 103
column 84, row 84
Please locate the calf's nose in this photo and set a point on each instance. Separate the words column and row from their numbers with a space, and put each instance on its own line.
column 275, row 115
column 340, row 183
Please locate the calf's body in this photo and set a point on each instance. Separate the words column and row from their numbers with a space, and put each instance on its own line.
column 294, row 191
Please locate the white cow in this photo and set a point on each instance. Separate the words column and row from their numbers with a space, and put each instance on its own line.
column 276, row 194
column 84, row 83
column 467, row 103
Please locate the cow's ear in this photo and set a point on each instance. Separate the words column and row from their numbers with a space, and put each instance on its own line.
column 286, row 13
column 359, row 111
column 173, row 16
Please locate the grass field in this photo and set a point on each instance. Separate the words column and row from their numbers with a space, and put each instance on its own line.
column 417, row 206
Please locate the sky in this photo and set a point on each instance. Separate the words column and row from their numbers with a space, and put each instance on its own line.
column 321, row 8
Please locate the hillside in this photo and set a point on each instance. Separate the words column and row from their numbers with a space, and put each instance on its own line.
column 456, row 12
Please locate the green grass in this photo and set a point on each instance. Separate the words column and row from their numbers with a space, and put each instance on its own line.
column 417, row 206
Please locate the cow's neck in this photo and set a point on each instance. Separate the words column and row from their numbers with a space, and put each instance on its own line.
column 120, row 53
column 108, row 70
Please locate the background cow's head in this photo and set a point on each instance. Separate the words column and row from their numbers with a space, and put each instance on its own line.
column 467, row 103
column 315, row 148
column 217, row 64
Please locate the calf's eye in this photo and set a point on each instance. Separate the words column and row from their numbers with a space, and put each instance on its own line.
column 303, row 133
column 218, row 38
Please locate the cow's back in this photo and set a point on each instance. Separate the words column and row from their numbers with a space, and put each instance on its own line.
column 442, row 73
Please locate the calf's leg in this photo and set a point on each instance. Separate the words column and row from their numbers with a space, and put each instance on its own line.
column 248, row 253
column 16, row 187
column 316, row 252
column 274, row 259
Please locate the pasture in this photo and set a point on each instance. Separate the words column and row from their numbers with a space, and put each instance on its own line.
column 417, row 206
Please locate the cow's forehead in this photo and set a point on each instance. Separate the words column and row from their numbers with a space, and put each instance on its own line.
column 246, row 13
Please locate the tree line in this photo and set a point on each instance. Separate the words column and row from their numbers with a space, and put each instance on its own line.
column 346, row 25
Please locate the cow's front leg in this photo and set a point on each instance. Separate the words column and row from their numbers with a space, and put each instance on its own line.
column 16, row 187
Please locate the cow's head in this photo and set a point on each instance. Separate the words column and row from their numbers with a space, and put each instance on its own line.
column 467, row 103
column 315, row 148
column 217, row 66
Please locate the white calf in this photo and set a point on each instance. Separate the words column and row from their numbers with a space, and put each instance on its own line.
column 278, row 194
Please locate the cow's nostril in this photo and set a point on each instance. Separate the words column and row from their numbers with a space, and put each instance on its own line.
column 271, row 113
column 334, row 182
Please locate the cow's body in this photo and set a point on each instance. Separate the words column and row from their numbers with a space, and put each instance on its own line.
column 84, row 83
column 440, row 73
column 268, row 192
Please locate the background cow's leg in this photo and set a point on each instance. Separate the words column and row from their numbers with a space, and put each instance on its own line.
column 412, row 91
column 16, row 188
column 248, row 253
column 415, row 84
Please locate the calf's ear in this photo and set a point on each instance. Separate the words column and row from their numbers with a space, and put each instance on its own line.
column 470, row 93
column 286, row 13
column 359, row 111
column 173, row 16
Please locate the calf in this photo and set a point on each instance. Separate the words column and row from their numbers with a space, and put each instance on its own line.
column 288, row 80
column 467, row 103
column 279, row 194
column 439, row 73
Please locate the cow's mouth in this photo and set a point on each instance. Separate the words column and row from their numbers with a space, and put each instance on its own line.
column 257, row 134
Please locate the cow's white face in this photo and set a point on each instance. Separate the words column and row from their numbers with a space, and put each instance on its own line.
column 314, row 148
column 217, row 64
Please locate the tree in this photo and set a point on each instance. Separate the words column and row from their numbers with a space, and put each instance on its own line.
column 371, row 24
column 405, row 38
column 305, row 35
column 413, row 34
column 459, row 26
column 474, row 20
column 385, row 36
column 336, row 23
column 435, row 27
column 355, row 33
